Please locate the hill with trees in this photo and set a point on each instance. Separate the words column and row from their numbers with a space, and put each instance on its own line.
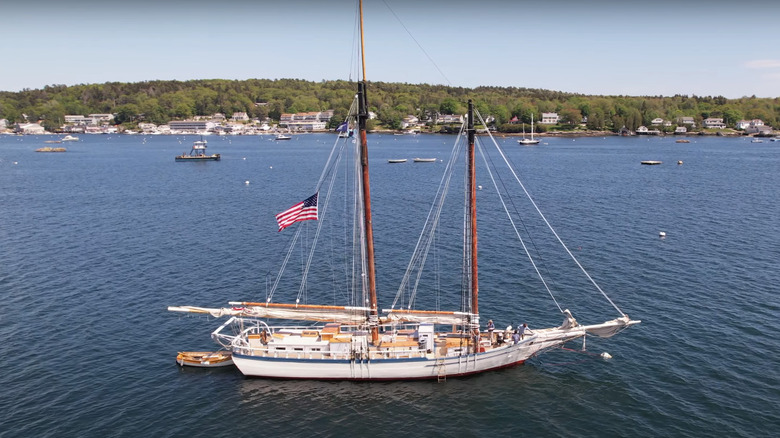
column 162, row 101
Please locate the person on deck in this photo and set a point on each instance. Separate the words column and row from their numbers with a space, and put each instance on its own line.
column 490, row 328
column 515, row 337
column 524, row 330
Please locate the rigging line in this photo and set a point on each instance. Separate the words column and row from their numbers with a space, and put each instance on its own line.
column 429, row 230
column 284, row 263
column 418, row 44
column 329, row 164
column 528, row 195
column 431, row 233
column 296, row 236
column 465, row 273
column 359, row 230
column 419, row 255
column 511, row 221
column 320, row 223
column 354, row 48
column 527, row 231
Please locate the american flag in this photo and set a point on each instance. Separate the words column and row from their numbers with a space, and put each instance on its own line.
column 302, row 211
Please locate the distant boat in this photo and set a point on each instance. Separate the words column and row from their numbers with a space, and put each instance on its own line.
column 425, row 160
column 756, row 140
column 682, row 141
column 397, row 160
column 529, row 141
column 53, row 141
column 198, row 153
column 70, row 138
column 652, row 163
column 204, row 359
column 283, row 137
column 51, row 149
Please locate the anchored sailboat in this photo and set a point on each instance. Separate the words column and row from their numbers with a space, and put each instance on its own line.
column 357, row 341
column 529, row 141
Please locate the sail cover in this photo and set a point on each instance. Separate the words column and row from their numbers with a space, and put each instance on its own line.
column 341, row 314
column 430, row 316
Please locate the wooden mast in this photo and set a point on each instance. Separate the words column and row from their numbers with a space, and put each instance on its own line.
column 362, row 117
column 473, row 212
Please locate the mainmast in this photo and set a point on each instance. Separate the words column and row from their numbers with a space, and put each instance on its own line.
column 472, row 212
column 362, row 117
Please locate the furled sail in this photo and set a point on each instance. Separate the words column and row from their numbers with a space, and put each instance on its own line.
column 429, row 316
column 303, row 312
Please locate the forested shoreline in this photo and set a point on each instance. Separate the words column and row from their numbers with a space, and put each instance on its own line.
column 162, row 101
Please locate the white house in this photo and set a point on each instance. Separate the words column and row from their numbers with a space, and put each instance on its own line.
column 680, row 130
column 714, row 122
column 29, row 129
column 686, row 121
column 549, row 119
column 240, row 117
column 657, row 121
column 98, row 118
column 410, row 122
column 744, row 124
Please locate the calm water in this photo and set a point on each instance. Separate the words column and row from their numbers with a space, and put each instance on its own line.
column 96, row 242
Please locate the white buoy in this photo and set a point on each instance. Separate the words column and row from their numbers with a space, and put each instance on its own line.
column 480, row 187
column 606, row 356
column 662, row 234
column 244, row 158
column 246, row 182
column 271, row 167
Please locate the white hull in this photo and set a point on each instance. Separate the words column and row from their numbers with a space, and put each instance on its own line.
column 425, row 366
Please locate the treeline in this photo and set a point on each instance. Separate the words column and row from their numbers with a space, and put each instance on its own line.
column 162, row 101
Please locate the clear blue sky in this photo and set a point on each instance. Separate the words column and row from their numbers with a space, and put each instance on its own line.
column 605, row 47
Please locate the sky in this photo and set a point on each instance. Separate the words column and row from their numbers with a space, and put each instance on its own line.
column 596, row 47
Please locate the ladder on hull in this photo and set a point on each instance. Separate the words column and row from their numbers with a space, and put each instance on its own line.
column 441, row 370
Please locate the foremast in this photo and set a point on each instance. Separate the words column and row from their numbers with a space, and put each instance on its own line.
column 472, row 209
column 362, row 117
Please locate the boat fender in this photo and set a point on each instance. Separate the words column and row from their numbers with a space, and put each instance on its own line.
column 606, row 356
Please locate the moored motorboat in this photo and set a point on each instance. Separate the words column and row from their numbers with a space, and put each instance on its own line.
column 198, row 153
column 397, row 160
column 425, row 160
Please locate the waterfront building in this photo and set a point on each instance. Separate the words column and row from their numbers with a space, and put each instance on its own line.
column 714, row 122
column 549, row 119
column 191, row 126
column 240, row 117
column 29, row 129
column 686, row 121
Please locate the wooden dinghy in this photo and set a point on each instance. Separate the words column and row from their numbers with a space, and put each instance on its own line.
column 204, row 359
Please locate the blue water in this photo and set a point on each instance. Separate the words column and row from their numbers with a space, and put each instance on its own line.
column 96, row 242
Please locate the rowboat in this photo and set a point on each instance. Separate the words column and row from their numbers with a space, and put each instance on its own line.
column 204, row 359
